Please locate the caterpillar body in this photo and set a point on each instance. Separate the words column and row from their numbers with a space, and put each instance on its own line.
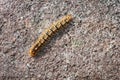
column 48, row 34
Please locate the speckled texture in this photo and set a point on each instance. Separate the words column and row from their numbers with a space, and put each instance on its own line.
column 88, row 49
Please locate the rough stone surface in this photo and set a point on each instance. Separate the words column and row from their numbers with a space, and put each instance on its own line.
column 88, row 49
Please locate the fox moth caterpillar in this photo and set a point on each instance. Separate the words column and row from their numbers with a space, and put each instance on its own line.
column 47, row 34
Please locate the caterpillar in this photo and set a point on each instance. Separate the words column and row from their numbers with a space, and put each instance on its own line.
column 48, row 34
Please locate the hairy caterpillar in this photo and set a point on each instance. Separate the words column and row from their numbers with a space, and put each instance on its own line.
column 48, row 33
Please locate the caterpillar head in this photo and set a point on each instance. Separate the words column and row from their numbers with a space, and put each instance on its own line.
column 32, row 53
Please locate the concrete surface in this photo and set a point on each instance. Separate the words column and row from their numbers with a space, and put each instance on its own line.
column 88, row 49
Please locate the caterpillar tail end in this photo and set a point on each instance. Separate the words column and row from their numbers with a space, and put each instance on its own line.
column 70, row 16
